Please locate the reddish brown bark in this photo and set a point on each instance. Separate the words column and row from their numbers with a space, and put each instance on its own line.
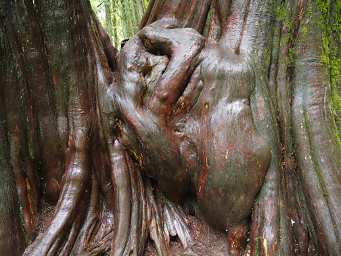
column 204, row 109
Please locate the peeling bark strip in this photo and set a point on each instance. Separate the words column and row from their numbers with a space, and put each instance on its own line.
column 219, row 107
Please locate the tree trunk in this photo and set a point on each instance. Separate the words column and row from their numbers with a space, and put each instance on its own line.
column 108, row 18
column 212, row 132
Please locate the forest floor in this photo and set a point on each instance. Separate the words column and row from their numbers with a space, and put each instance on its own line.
column 206, row 241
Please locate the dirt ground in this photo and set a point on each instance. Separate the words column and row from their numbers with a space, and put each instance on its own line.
column 206, row 242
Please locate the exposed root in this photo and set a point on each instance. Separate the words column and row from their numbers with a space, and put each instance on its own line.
column 71, row 197
column 142, row 211
column 167, row 220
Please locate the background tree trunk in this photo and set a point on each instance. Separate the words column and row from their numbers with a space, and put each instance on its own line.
column 75, row 147
column 120, row 18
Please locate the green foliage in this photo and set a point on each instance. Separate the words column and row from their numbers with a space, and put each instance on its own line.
column 281, row 12
column 120, row 18
column 283, row 15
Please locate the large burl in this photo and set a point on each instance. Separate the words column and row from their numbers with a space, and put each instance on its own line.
column 186, row 119
column 234, row 157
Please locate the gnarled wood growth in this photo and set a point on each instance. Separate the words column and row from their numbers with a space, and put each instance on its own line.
column 221, row 108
